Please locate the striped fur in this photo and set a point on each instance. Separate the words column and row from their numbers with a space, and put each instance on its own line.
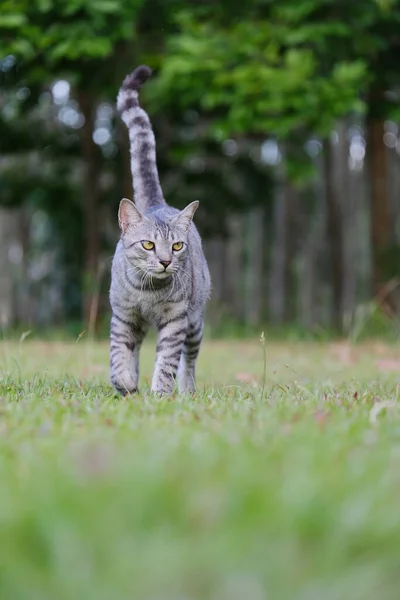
column 147, row 187
column 163, row 287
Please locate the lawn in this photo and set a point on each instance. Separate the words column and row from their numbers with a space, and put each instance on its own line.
column 276, row 483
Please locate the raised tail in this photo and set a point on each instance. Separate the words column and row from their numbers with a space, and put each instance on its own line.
column 146, row 184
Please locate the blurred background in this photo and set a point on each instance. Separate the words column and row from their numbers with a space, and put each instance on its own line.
column 280, row 116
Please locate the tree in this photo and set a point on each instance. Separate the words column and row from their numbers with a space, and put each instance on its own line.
column 290, row 69
column 85, row 42
column 383, row 54
column 270, row 73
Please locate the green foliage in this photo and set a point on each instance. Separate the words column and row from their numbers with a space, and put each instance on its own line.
column 282, row 68
column 53, row 31
column 389, row 261
column 286, row 69
column 264, row 75
column 223, row 184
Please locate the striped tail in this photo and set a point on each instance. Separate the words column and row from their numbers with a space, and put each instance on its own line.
column 146, row 184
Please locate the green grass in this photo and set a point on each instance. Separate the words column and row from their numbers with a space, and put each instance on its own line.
column 291, row 492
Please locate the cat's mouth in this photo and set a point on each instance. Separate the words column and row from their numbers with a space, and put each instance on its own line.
column 161, row 274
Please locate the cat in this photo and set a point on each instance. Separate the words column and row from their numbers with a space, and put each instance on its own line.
column 159, row 274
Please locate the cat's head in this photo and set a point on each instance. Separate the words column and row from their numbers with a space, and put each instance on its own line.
column 157, row 248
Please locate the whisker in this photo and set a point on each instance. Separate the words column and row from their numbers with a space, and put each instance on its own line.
column 180, row 273
column 172, row 289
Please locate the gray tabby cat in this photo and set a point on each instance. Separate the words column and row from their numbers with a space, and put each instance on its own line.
column 159, row 274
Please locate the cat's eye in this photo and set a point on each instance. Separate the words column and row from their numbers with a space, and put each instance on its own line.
column 177, row 246
column 148, row 245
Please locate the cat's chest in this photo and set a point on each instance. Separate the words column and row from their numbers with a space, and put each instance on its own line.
column 153, row 306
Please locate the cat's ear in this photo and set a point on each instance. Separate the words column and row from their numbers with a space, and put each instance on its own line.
column 185, row 217
column 128, row 215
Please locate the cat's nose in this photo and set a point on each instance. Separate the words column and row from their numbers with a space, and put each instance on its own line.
column 165, row 263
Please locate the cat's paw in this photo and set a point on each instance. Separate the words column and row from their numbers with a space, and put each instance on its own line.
column 186, row 383
column 124, row 386
column 163, row 388
column 188, row 391
column 163, row 382
column 124, row 392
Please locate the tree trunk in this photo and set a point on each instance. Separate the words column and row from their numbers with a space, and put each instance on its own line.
column 90, row 153
column 25, row 307
column 277, row 268
column 234, row 291
column 253, row 300
column 283, row 304
column 282, row 281
column 8, row 247
column 380, row 209
column 290, row 197
column 351, row 199
column 334, row 231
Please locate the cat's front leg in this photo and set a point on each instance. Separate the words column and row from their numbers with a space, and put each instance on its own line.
column 190, row 352
column 126, row 336
column 171, row 337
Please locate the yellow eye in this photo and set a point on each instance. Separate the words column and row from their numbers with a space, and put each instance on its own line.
column 177, row 246
column 147, row 245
